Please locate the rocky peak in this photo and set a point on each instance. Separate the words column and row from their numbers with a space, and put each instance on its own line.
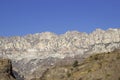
column 71, row 41
column 46, row 48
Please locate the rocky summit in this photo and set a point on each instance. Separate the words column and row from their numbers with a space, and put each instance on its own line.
column 33, row 54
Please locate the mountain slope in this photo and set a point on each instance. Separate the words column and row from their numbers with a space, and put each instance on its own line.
column 103, row 66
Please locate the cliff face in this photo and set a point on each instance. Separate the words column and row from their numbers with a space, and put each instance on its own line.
column 44, row 45
column 46, row 49
column 6, row 70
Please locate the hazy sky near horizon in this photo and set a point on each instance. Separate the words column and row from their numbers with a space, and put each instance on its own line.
column 20, row 17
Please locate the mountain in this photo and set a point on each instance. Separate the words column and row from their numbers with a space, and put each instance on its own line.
column 102, row 66
column 44, row 50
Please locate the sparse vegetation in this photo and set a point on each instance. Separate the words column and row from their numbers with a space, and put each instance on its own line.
column 90, row 69
column 108, row 75
column 68, row 74
column 71, row 69
column 96, row 58
column 99, row 79
column 119, row 78
column 118, row 57
column 80, row 78
column 75, row 64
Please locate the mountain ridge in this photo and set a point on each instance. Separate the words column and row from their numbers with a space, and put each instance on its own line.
column 47, row 48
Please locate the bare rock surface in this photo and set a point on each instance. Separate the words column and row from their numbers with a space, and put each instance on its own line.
column 46, row 49
column 6, row 70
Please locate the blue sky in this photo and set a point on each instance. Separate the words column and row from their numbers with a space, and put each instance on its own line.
column 20, row 17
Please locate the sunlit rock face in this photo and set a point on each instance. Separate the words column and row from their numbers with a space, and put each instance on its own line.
column 40, row 49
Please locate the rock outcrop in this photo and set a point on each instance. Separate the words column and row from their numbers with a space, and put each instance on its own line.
column 6, row 70
column 42, row 50
column 44, row 45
